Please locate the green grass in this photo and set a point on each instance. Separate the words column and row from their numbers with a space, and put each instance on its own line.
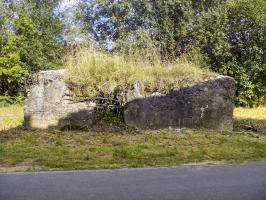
column 11, row 116
column 90, row 71
column 24, row 150
column 255, row 117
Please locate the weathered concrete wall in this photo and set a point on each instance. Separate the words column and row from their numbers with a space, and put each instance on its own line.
column 209, row 104
column 49, row 104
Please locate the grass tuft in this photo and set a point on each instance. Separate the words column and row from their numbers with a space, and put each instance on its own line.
column 90, row 71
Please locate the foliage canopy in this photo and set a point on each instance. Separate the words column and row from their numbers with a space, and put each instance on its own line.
column 29, row 42
column 229, row 36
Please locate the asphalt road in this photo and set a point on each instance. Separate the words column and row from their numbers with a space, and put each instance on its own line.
column 233, row 182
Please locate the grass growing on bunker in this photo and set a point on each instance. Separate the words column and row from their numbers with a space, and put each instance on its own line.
column 25, row 150
column 91, row 71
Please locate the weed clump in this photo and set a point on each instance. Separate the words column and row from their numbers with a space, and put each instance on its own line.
column 109, row 80
column 91, row 72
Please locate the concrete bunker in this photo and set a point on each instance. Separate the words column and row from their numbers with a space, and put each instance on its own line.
column 210, row 104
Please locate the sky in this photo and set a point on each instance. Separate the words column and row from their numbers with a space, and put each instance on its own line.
column 68, row 3
column 73, row 31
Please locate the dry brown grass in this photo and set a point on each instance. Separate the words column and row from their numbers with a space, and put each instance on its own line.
column 95, row 71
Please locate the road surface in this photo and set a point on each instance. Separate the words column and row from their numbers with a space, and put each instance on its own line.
column 213, row 182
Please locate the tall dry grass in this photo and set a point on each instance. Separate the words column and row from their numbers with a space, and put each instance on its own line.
column 93, row 71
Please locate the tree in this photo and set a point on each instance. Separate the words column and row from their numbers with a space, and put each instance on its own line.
column 29, row 43
column 163, row 21
column 43, row 49
column 230, row 35
column 11, row 69
column 233, row 38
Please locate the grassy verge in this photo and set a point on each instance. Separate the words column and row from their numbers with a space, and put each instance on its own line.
column 254, row 117
column 10, row 117
column 22, row 150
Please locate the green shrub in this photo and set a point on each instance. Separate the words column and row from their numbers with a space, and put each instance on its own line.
column 7, row 100
column 232, row 38
column 28, row 42
column 231, row 35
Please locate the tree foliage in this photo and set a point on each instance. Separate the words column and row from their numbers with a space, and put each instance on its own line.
column 226, row 35
column 229, row 35
column 11, row 70
column 29, row 42
column 232, row 37
column 163, row 21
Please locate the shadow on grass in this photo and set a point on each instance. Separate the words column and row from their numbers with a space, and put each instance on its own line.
column 103, row 126
column 12, row 133
column 115, row 126
column 110, row 145
column 259, row 125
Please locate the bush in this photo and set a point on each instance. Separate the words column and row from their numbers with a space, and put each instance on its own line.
column 232, row 37
column 7, row 100
column 29, row 42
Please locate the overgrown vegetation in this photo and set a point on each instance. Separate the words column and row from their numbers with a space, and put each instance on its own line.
column 161, row 45
column 25, row 150
column 93, row 72
column 232, row 38
column 29, row 42
column 226, row 36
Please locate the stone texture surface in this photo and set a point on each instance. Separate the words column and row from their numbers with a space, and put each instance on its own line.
column 209, row 104
column 49, row 104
